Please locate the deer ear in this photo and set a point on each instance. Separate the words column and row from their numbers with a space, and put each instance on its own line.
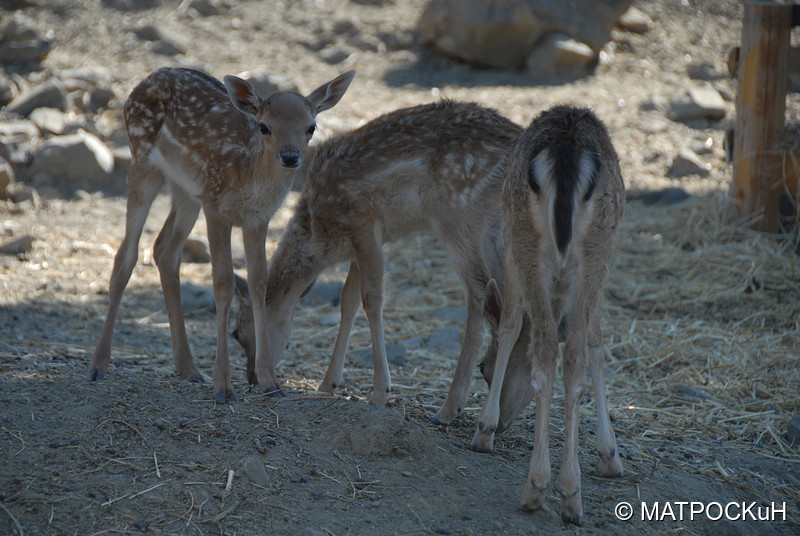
column 242, row 94
column 492, row 304
column 242, row 290
column 327, row 95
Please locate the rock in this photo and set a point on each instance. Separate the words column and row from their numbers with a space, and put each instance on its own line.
column 254, row 469
column 323, row 293
column 122, row 161
column 395, row 355
column 636, row 21
column 20, row 43
column 209, row 8
column 688, row 163
column 195, row 298
column 656, row 103
column 50, row 120
column 334, row 54
column 704, row 70
column 48, row 95
column 451, row 313
column 19, row 128
column 163, row 41
column 504, row 34
column 20, row 246
column 73, row 162
column 698, row 103
column 559, row 55
column 195, row 251
column 330, row 319
column 18, row 192
column 701, row 147
column 444, row 340
column 95, row 99
column 6, row 178
column 132, row 5
column 413, row 342
column 666, row 196
column 267, row 83
column 793, row 430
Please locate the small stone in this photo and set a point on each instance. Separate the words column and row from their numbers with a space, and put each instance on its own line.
column 334, row 54
column 666, row 196
column 444, row 340
column 413, row 342
column 793, row 430
column 701, row 147
column 6, row 178
column 636, row 21
column 451, row 313
column 266, row 83
column 704, row 70
column 254, row 469
column 79, row 161
column 698, row 103
column 50, row 120
column 559, row 55
column 18, row 192
column 20, row 246
column 395, row 355
column 688, row 163
column 655, row 103
column 330, row 319
column 323, row 293
column 48, row 95
column 209, row 8
column 407, row 474
column 195, row 251
column 195, row 299
column 95, row 99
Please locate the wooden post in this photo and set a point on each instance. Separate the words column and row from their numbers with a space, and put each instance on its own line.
column 760, row 108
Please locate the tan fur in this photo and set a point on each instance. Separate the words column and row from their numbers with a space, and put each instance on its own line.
column 552, row 291
column 435, row 167
column 207, row 144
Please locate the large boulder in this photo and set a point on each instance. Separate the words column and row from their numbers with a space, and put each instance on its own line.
column 504, row 33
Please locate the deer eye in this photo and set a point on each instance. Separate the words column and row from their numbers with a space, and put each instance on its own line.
column 310, row 131
column 264, row 130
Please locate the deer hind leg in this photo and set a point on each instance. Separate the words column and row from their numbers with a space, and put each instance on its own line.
column 544, row 350
column 350, row 295
column 609, row 463
column 144, row 184
column 473, row 273
column 369, row 257
column 167, row 254
column 574, row 371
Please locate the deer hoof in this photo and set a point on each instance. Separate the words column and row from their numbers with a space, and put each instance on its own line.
column 95, row 375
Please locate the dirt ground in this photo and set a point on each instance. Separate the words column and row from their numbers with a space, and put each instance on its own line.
column 701, row 323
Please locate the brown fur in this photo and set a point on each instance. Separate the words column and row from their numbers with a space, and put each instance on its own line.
column 552, row 288
column 206, row 142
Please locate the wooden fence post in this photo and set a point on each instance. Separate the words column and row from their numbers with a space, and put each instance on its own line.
column 760, row 108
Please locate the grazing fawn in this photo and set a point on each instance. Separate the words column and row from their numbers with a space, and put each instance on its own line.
column 435, row 167
column 227, row 150
column 562, row 200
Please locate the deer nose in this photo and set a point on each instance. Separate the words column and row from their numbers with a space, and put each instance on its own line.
column 290, row 158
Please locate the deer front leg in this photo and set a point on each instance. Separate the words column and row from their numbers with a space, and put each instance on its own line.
column 369, row 257
column 255, row 252
column 349, row 307
column 459, row 389
column 219, row 242
column 508, row 331
column 167, row 254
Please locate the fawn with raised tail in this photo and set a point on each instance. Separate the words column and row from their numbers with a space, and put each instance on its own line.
column 436, row 167
column 562, row 200
column 223, row 148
